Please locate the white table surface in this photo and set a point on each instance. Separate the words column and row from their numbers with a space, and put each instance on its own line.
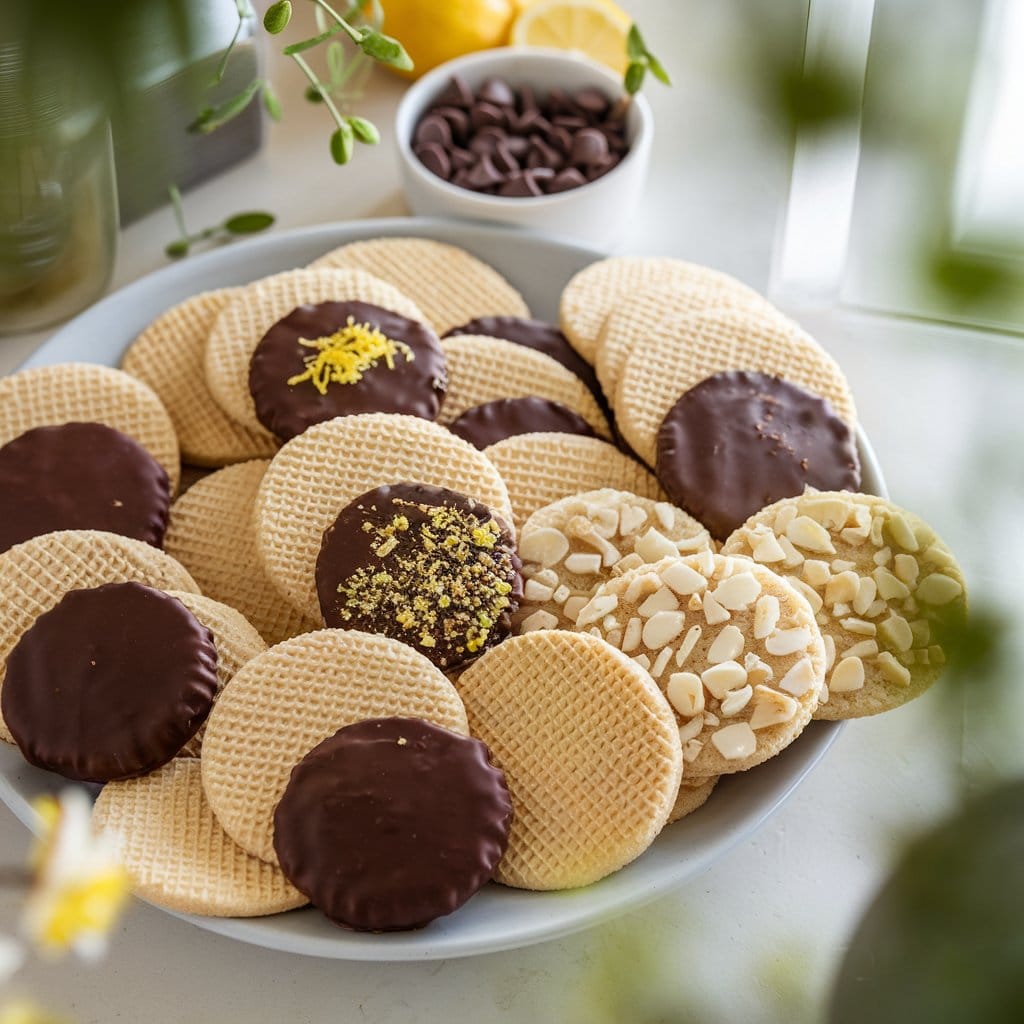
column 759, row 936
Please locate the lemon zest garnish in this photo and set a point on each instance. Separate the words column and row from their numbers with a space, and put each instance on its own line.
column 341, row 357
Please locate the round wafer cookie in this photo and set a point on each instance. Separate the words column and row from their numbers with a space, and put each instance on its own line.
column 570, row 547
column 693, row 794
column 318, row 473
column 168, row 356
column 86, row 393
column 598, row 289
column 541, row 468
column 450, row 285
column 35, row 575
column 482, row 369
column 235, row 639
column 241, row 324
column 287, row 700
column 734, row 647
column 679, row 352
column 590, row 752
column 178, row 854
column 212, row 532
column 884, row 588
column 635, row 314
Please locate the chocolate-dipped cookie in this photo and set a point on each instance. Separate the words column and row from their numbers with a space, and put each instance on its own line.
column 392, row 822
column 425, row 565
column 81, row 476
column 740, row 440
column 486, row 424
column 344, row 358
column 109, row 684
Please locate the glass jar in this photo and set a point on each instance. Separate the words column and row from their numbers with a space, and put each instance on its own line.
column 58, row 200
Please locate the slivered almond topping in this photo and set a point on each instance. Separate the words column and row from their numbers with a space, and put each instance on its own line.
column 848, row 675
column 640, row 586
column 714, row 613
column 583, row 564
column 685, row 693
column 630, row 561
column 767, row 549
column 662, row 600
column 921, row 632
column 805, row 533
column 736, row 700
column 720, row 679
column 735, row 741
column 788, row 641
column 597, row 608
column 537, row 592
column 809, row 594
column 682, row 578
column 727, row 646
column 692, row 729
column 631, row 638
column 906, row 568
column 938, row 589
column 889, row 587
column 832, row 513
column 799, row 679
column 540, row 619
column 901, row 532
column 573, row 606
column 893, row 671
column 766, row 615
column 866, row 591
column 896, row 633
column 606, row 522
column 859, row 626
column 816, row 572
column 654, row 546
column 864, row 649
column 662, row 628
column 842, row 589
column 545, row 546
column 691, row 750
column 561, row 594
column 793, row 557
column 758, row 671
column 693, row 634
column 883, row 556
column 665, row 514
column 771, row 708
column 783, row 518
column 830, row 651
column 738, row 592
column 546, row 576
column 642, row 660
column 876, row 531
column 631, row 518
column 661, row 662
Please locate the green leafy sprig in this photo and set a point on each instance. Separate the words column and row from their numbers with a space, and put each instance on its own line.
column 249, row 222
column 641, row 60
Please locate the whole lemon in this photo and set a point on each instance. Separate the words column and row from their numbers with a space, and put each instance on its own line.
column 436, row 32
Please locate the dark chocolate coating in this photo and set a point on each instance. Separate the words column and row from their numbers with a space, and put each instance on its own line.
column 468, row 576
column 487, row 424
column 81, row 476
column 109, row 684
column 413, row 387
column 740, row 440
column 391, row 823
column 536, row 334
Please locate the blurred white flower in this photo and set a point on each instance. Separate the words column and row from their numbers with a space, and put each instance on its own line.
column 79, row 884
column 12, row 956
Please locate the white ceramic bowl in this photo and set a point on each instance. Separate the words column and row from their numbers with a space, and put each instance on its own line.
column 595, row 214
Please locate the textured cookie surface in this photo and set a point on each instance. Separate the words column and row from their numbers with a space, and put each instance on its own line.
column 636, row 313
column 733, row 646
column 449, row 284
column 168, row 356
column 86, row 393
column 213, row 534
column 485, row 369
column 541, row 468
column 679, row 352
column 287, row 700
column 34, row 576
column 590, row 752
column 572, row 546
column 178, row 855
column 598, row 290
column 693, row 794
column 255, row 308
column 317, row 474
column 884, row 588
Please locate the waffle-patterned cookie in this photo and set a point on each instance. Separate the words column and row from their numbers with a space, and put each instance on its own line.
column 178, row 855
column 319, row 472
column 679, row 352
column 733, row 646
column 35, row 575
column 450, row 285
column 255, row 308
column 86, row 393
column 590, row 752
column 884, row 588
column 168, row 356
column 482, row 369
column 287, row 700
column 541, row 468
column 212, row 533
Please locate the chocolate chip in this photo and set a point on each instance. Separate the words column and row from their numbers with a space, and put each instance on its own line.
column 503, row 158
column 462, row 159
column 561, row 139
column 592, row 101
column 458, row 121
column 600, row 169
column 520, row 185
column 543, row 155
column 456, row 94
column 525, row 122
column 498, row 92
column 517, row 145
column 483, row 114
column 559, row 102
column 589, row 148
column 570, row 121
column 527, row 100
column 434, row 128
column 567, row 179
column 482, row 144
column 433, row 156
column 485, row 174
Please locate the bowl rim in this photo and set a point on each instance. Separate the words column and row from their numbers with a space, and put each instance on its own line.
column 434, row 79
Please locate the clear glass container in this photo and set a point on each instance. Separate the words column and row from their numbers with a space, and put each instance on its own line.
column 58, row 200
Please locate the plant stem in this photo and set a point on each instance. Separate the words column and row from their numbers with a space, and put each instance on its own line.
column 353, row 33
column 179, row 209
column 318, row 85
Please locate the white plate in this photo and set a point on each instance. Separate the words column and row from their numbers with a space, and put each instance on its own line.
column 496, row 918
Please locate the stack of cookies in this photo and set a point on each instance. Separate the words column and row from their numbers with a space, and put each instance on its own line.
column 453, row 596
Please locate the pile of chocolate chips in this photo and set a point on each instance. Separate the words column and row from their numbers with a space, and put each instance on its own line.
column 510, row 142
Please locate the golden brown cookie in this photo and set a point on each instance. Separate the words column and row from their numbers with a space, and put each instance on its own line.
column 287, row 700
column 590, row 752
column 693, row 794
column 884, row 588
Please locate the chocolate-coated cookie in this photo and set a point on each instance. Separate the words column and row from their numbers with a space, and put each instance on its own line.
column 425, row 565
column 344, row 358
column 392, row 822
column 109, row 684
column 81, row 476
column 740, row 440
column 486, row 424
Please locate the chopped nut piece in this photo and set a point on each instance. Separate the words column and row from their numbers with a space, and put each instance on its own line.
column 727, row 646
column 832, row 513
column 682, row 578
column 711, row 719
column 662, row 628
column 540, row 619
column 854, row 535
column 640, row 586
column 810, row 595
column 631, row 518
column 562, row 594
column 642, row 660
column 864, row 649
column 876, row 608
column 842, row 589
column 685, row 693
column 546, row 576
column 938, row 589
column 892, row 669
column 766, row 615
column 921, row 632
column 805, row 533
column 705, row 561
column 843, row 565
column 767, row 549
column 901, row 532
column 537, row 592
column 692, row 750
column 654, row 546
column 771, row 708
column 665, row 514
column 606, row 522
column 714, row 613
column 906, row 568
column 936, row 655
column 793, row 557
column 788, row 641
column 614, row 637
column 686, row 647
column 545, row 546
column 757, row 670
column 800, row 678
column 859, row 626
column 889, row 587
column 848, row 675
column 720, row 679
column 583, row 564
column 866, row 591
column 631, row 638
column 662, row 600
column 896, row 633
column 736, row 700
column 661, row 662
column 816, row 572
column 783, row 518
column 876, row 531
column 830, row 651
column 737, row 592
column 693, row 728
column 840, row 609
column 695, row 603
column 735, row 741
column 882, row 557
column 597, row 608
column 698, row 542
column 573, row 606
column 624, row 564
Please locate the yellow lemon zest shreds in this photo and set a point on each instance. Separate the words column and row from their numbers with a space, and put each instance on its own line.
column 341, row 357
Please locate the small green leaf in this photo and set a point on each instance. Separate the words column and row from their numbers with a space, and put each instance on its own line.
column 313, row 94
column 248, row 223
column 176, row 250
column 658, row 69
column 308, row 44
column 635, row 47
column 364, row 131
column 211, row 119
column 277, row 17
column 633, row 80
column 385, row 49
column 335, row 60
column 271, row 103
column 342, row 142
